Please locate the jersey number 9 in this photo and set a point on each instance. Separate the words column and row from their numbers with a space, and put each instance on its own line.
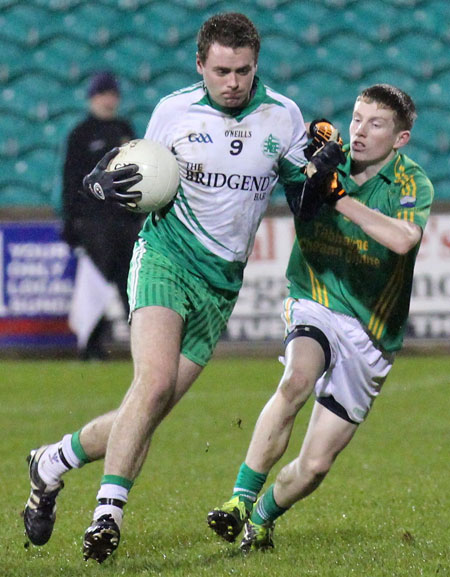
column 236, row 147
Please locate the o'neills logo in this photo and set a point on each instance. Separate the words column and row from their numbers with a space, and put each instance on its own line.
column 97, row 191
column 232, row 181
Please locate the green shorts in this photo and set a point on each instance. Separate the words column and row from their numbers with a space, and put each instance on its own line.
column 154, row 280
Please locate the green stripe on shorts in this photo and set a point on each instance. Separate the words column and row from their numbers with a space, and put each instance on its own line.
column 155, row 280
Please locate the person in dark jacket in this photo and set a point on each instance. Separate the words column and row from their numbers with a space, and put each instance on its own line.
column 106, row 233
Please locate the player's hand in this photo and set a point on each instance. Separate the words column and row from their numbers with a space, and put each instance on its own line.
column 321, row 131
column 325, row 161
column 333, row 190
column 112, row 185
column 321, row 185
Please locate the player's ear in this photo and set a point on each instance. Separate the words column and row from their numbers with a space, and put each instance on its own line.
column 199, row 64
column 402, row 138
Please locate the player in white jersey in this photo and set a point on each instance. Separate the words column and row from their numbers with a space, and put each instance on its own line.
column 234, row 159
column 233, row 139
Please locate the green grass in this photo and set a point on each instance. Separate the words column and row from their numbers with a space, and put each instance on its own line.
column 382, row 511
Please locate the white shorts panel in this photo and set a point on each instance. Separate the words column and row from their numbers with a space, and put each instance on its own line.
column 358, row 368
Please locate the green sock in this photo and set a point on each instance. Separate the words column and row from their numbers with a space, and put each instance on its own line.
column 266, row 509
column 248, row 484
column 117, row 480
column 78, row 449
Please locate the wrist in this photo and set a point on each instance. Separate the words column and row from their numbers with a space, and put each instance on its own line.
column 335, row 190
column 345, row 205
column 341, row 201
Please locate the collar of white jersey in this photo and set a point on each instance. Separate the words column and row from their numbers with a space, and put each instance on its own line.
column 258, row 96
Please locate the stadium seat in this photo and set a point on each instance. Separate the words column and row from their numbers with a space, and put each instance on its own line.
column 428, row 17
column 14, row 130
column 325, row 93
column 96, row 24
column 359, row 56
column 28, row 25
column 442, row 189
column 375, row 20
column 427, row 53
column 17, row 187
column 431, row 131
column 39, row 98
column 71, row 60
column 285, row 52
column 38, row 169
column 434, row 92
column 415, row 151
column 148, row 60
column 55, row 6
column 14, row 61
column 196, row 4
column 320, row 54
column 301, row 21
column 388, row 75
column 167, row 26
column 140, row 97
column 62, row 58
column 174, row 80
column 126, row 5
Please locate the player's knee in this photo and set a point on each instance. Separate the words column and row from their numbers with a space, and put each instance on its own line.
column 295, row 386
column 154, row 390
column 302, row 476
column 316, row 468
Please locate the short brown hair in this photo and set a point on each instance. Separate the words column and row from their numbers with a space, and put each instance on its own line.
column 391, row 97
column 230, row 29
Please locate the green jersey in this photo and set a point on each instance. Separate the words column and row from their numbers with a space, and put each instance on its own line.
column 230, row 161
column 334, row 263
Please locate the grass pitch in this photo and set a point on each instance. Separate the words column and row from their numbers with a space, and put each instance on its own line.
column 382, row 511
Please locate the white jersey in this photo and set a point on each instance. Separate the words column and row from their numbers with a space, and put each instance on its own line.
column 229, row 165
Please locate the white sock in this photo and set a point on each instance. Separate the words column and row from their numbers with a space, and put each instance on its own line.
column 111, row 492
column 51, row 467
column 71, row 458
column 56, row 460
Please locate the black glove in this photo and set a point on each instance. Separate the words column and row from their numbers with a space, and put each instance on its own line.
column 306, row 199
column 112, row 185
column 321, row 131
column 325, row 161
column 333, row 190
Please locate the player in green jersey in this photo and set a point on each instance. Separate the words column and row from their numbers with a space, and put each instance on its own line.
column 233, row 138
column 350, row 275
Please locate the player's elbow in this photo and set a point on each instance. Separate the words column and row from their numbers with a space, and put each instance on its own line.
column 403, row 248
column 407, row 240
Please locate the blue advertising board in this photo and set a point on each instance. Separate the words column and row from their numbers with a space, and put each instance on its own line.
column 37, row 271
